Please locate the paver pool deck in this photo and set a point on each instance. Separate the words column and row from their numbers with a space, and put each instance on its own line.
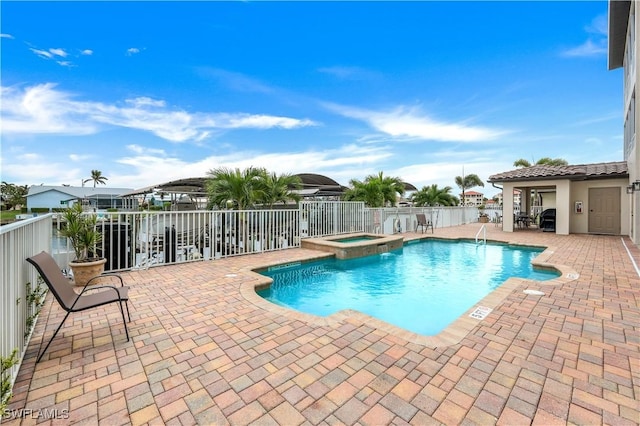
column 205, row 350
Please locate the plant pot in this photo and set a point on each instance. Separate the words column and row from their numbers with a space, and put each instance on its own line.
column 84, row 271
column 483, row 219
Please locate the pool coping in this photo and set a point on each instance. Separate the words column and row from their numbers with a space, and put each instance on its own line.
column 450, row 335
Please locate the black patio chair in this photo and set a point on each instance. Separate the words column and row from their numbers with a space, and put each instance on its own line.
column 71, row 301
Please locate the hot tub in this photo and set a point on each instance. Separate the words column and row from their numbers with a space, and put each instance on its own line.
column 354, row 245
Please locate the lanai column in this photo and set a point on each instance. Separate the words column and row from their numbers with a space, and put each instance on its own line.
column 525, row 199
column 507, row 207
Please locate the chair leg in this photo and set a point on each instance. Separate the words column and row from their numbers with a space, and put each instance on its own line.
column 124, row 320
column 127, row 306
column 52, row 337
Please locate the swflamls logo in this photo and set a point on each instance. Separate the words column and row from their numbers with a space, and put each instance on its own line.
column 41, row 414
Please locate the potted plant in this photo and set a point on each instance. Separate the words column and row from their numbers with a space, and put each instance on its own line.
column 482, row 216
column 81, row 230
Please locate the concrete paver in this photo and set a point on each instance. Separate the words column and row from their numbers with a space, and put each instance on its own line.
column 205, row 349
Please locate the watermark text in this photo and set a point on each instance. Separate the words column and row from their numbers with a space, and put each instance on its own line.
column 40, row 413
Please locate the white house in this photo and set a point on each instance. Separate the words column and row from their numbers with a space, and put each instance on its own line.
column 623, row 52
column 516, row 197
column 50, row 197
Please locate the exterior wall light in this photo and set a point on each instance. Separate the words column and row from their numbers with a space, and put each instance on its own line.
column 634, row 187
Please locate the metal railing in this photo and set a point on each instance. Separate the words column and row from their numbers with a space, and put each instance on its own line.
column 137, row 240
column 482, row 230
column 17, row 242
column 403, row 219
column 323, row 218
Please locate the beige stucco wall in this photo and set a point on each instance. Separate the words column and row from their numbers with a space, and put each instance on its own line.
column 580, row 192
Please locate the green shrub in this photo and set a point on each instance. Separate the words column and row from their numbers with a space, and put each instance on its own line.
column 40, row 209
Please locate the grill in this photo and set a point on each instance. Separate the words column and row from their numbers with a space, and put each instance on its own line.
column 548, row 220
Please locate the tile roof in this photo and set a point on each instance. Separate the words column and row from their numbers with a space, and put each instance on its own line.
column 616, row 169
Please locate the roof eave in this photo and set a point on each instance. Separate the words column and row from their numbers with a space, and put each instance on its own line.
column 618, row 22
column 568, row 177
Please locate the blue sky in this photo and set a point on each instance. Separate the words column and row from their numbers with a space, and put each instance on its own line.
column 148, row 92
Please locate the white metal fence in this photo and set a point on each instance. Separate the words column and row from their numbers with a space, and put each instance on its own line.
column 403, row 219
column 322, row 218
column 135, row 240
column 17, row 242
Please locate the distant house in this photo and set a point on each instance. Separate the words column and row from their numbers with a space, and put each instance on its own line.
column 50, row 197
column 491, row 204
column 516, row 197
column 472, row 199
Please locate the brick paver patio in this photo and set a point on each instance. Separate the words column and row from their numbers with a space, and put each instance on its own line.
column 205, row 350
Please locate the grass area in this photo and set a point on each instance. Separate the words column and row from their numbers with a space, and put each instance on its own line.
column 8, row 215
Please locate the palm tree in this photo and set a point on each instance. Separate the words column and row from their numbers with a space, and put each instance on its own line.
column 376, row 190
column 278, row 188
column 434, row 196
column 369, row 192
column 239, row 188
column 96, row 177
column 546, row 161
column 469, row 181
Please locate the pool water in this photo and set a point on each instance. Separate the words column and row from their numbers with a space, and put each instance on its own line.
column 422, row 287
column 354, row 239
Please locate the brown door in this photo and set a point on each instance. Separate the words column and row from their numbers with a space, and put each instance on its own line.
column 604, row 211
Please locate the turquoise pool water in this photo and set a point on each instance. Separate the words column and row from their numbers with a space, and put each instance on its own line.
column 422, row 287
column 355, row 239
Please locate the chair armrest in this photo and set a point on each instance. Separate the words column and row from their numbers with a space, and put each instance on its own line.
column 88, row 287
column 107, row 275
column 97, row 287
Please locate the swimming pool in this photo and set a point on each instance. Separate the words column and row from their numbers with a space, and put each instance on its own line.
column 422, row 287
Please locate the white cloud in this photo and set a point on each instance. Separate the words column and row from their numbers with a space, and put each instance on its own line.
column 45, row 109
column 138, row 149
column 34, row 169
column 58, row 52
column 236, row 81
column 599, row 25
column 41, row 109
column 78, row 158
column 596, row 44
column 264, row 122
column 87, row 52
column 42, row 53
column 348, row 72
column 53, row 54
column 132, row 51
column 145, row 101
column 411, row 123
column 341, row 164
column 6, row 36
column 588, row 48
